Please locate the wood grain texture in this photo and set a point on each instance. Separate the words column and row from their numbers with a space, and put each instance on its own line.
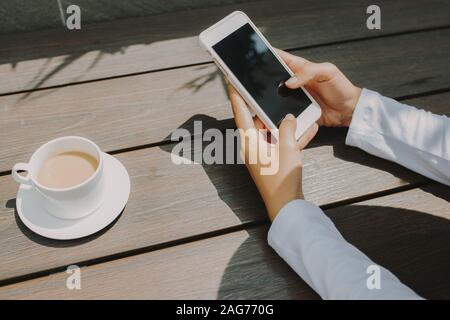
column 170, row 202
column 19, row 16
column 138, row 110
column 407, row 232
column 55, row 57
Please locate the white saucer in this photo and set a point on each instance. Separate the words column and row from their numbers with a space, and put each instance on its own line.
column 35, row 217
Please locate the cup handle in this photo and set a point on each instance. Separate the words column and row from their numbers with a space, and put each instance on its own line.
column 19, row 178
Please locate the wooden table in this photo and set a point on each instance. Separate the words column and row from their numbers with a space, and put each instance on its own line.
column 199, row 231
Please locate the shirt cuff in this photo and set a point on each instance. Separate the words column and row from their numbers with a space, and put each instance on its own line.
column 295, row 227
column 310, row 244
column 365, row 114
column 291, row 216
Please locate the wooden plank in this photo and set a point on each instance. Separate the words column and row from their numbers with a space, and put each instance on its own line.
column 138, row 110
column 17, row 16
column 407, row 232
column 171, row 202
column 55, row 57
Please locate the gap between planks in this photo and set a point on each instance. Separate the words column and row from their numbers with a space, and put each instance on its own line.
column 206, row 235
column 330, row 43
column 168, row 142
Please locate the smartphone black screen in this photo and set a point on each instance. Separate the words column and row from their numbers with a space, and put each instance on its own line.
column 261, row 74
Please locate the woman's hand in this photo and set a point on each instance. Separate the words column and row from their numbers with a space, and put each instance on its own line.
column 285, row 183
column 336, row 95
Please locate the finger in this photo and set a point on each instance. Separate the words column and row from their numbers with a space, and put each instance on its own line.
column 318, row 99
column 258, row 123
column 321, row 121
column 307, row 136
column 294, row 63
column 318, row 72
column 287, row 131
column 286, row 56
column 242, row 115
column 261, row 127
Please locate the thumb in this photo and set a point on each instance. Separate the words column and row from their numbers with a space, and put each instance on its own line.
column 318, row 72
column 308, row 136
column 294, row 63
column 287, row 131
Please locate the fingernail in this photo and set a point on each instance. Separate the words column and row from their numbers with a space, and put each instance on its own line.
column 290, row 116
column 291, row 81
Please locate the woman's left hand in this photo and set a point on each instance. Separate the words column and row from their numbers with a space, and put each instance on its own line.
column 283, row 184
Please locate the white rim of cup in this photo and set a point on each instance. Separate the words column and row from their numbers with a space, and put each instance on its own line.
column 100, row 164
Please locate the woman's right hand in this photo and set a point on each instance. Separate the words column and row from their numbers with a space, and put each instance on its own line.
column 335, row 94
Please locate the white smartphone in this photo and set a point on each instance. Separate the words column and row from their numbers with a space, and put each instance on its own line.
column 257, row 72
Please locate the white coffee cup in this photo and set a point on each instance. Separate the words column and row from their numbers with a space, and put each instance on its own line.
column 66, row 203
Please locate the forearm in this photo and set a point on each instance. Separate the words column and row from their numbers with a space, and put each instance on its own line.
column 310, row 243
column 414, row 138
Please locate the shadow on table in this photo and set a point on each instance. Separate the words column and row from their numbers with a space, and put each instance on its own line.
column 60, row 49
column 415, row 246
column 51, row 242
column 410, row 243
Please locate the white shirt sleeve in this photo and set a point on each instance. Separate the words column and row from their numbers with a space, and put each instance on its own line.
column 308, row 240
column 416, row 139
column 310, row 243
